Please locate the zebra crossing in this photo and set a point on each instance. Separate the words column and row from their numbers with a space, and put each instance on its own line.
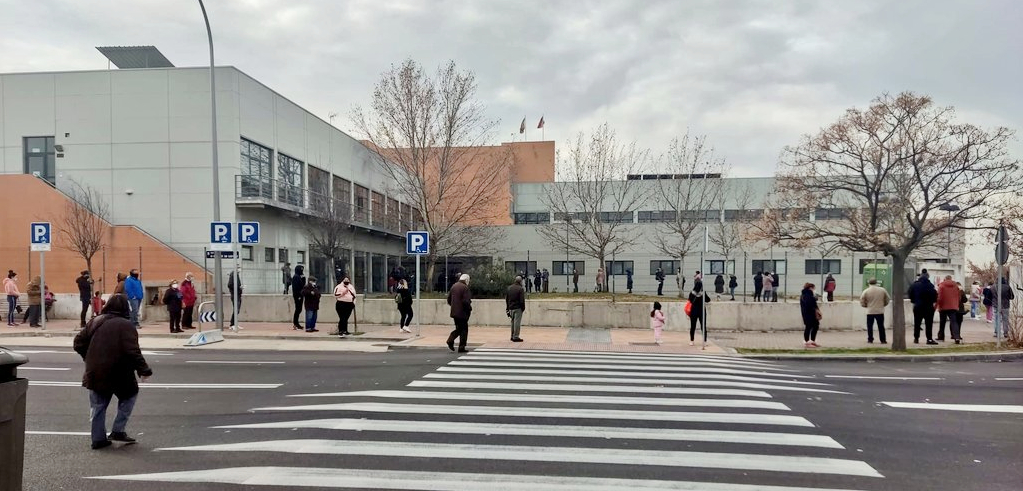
column 561, row 420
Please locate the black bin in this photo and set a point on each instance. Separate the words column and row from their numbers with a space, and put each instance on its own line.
column 13, row 392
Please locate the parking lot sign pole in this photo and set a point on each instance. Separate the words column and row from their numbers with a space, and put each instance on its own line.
column 41, row 236
column 417, row 244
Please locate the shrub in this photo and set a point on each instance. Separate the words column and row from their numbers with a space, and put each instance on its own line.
column 490, row 281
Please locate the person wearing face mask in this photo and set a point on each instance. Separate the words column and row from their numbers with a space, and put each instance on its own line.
column 133, row 290
column 311, row 296
column 84, row 293
column 11, row 288
column 344, row 293
column 172, row 298
column 188, row 298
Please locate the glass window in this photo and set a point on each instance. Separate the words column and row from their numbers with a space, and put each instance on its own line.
column 361, row 204
column 519, row 267
column 268, row 254
column 831, row 266
column 720, row 267
column 378, row 208
column 656, row 216
column 616, row 217
column 829, row 214
column 561, row 268
column 531, row 218
column 290, row 180
column 669, row 267
column 282, row 255
column 769, row 265
column 319, row 189
column 301, row 257
column 618, row 267
column 40, row 158
column 246, row 253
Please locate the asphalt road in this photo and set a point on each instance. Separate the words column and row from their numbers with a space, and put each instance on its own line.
column 567, row 421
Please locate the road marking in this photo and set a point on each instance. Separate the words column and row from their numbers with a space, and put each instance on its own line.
column 36, row 352
column 518, row 352
column 1009, row 378
column 72, row 433
column 149, row 385
column 554, row 412
column 477, row 396
column 706, row 460
column 43, row 368
column 609, row 373
column 214, row 362
column 687, row 369
column 318, row 477
column 616, row 361
column 602, row 432
column 613, row 380
column 628, row 389
column 157, row 353
column 980, row 408
column 882, row 378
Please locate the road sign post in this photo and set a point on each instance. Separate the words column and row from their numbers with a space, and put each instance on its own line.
column 417, row 244
column 248, row 233
column 41, row 238
column 220, row 240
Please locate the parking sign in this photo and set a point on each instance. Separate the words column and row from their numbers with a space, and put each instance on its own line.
column 40, row 236
column 417, row 243
column 220, row 236
column 248, row 232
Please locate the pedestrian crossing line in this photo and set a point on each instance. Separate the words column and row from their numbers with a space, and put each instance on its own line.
column 291, row 477
column 686, row 369
column 634, row 401
column 610, row 373
column 49, row 383
column 614, row 456
column 560, row 431
column 44, row 368
column 606, row 361
column 980, row 408
column 729, row 359
column 552, row 412
column 616, row 380
column 621, row 389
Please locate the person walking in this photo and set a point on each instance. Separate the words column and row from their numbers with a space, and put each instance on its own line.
column 964, row 300
column 975, row 296
column 11, row 288
column 989, row 301
column 776, row 282
column 659, row 277
column 404, row 300
column 234, row 282
column 657, row 322
column 84, row 282
column 758, row 286
column 947, row 306
column 109, row 345
column 460, row 300
column 697, row 299
column 829, row 287
column 575, row 281
column 546, row 277
column 680, row 282
column 768, row 287
column 344, row 296
column 515, row 303
column 733, row 283
column 135, row 293
column 297, row 285
column 811, row 314
column 35, row 302
column 1003, row 309
column 97, row 304
column 600, row 280
column 537, row 281
column 286, row 276
column 628, row 279
column 311, row 300
column 923, row 296
column 119, row 287
column 188, row 298
column 719, row 286
column 173, row 299
column 875, row 299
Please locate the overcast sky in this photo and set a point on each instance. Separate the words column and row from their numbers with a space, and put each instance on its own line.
column 751, row 75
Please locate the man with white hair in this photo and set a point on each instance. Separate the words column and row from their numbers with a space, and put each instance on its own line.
column 460, row 300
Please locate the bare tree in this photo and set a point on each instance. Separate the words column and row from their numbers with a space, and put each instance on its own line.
column 890, row 169
column 594, row 199
column 691, row 193
column 732, row 235
column 328, row 229
column 85, row 223
column 431, row 136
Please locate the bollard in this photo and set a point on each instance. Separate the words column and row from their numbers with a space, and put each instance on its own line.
column 13, row 392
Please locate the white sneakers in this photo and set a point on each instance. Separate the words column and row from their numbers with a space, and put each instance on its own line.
column 405, row 329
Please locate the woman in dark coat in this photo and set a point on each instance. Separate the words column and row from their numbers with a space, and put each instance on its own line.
column 173, row 300
column 811, row 315
column 697, row 298
column 719, row 285
column 109, row 344
column 404, row 306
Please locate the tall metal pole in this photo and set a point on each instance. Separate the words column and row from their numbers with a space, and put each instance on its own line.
column 42, row 287
column 217, row 266
column 419, row 305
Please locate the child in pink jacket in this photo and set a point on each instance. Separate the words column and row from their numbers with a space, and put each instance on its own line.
column 657, row 321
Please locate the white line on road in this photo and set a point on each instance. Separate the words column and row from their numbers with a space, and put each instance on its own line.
column 618, row 360
column 711, row 460
column 214, row 362
column 615, row 354
column 980, row 408
column 695, row 368
column 601, row 432
column 72, row 433
column 479, row 396
column 1009, row 378
column 623, row 389
column 36, row 352
column 318, row 477
column 610, row 380
column 44, row 368
column 866, row 377
column 149, row 385
column 554, row 412
column 610, row 373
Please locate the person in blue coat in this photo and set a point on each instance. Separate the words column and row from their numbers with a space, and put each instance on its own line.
column 133, row 290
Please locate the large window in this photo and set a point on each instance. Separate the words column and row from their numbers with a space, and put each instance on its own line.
column 829, row 214
column 246, row 253
column 618, row 267
column 379, row 209
column 656, row 216
column 769, row 265
column 319, row 189
column 519, row 267
column 269, row 254
column 282, row 255
column 669, row 267
column 257, row 171
column 616, row 217
column 532, row 218
column 361, row 204
column 561, row 268
column 830, row 266
column 39, row 157
column 290, row 182
column 719, row 266
column 744, row 215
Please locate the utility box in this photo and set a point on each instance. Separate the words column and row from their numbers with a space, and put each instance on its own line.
column 883, row 273
column 13, row 392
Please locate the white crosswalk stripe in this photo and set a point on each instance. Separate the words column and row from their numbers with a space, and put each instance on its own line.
column 552, row 407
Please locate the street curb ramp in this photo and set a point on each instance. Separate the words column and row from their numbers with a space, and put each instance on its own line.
column 203, row 338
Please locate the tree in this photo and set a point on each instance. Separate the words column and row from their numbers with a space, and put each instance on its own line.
column 984, row 273
column 85, row 222
column 431, row 137
column 732, row 236
column 594, row 199
column 890, row 170
column 328, row 229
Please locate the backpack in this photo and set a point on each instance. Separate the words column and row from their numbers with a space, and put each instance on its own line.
column 397, row 298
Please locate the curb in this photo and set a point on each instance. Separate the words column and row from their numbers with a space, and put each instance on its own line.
column 255, row 337
column 997, row 356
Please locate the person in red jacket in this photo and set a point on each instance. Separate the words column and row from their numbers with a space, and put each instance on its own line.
column 948, row 307
column 188, row 298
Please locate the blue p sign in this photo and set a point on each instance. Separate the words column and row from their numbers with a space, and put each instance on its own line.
column 417, row 243
column 40, row 232
column 248, row 232
column 220, row 232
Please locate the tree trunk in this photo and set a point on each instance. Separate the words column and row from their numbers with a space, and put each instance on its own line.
column 431, row 267
column 898, row 323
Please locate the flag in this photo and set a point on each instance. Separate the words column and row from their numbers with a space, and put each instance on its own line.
column 522, row 127
column 539, row 125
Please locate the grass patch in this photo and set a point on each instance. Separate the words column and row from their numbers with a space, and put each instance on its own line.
column 955, row 348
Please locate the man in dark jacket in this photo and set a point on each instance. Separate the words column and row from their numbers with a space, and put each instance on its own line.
column 1004, row 293
column 575, row 280
column 924, row 296
column 758, row 286
column 659, row 277
column 297, row 284
column 110, row 347
column 234, row 282
column 460, row 300
column 515, row 302
column 776, row 281
column 84, row 293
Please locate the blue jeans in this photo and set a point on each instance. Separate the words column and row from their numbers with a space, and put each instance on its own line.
column 1002, row 318
column 136, row 304
column 99, row 404
column 974, row 308
column 310, row 319
column 12, row 305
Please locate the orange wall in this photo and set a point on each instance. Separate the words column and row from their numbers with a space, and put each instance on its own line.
column 25, row 199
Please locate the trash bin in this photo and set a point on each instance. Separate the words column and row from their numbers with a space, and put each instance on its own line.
column 13, row 391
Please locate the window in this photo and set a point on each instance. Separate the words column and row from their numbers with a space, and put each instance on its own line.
column 257, row 172
column 377, row 207
column 615, row 217
column 769, row 265
column 39, row 157
column 829, row 214
column 319, row 189
column 268, row 254
column 301, row 257
column 246, row 253
column 532, row 218
column 361, row 204
column 669, row 267
column 561, row 268
column 720, row 267
column 831, row 266
column 578, row 216
column 655, row 216
column 290, row 182
column 519, row 267
column 282, row 255
column 618, row 267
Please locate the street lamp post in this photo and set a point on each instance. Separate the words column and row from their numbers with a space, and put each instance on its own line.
column 217, row 266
